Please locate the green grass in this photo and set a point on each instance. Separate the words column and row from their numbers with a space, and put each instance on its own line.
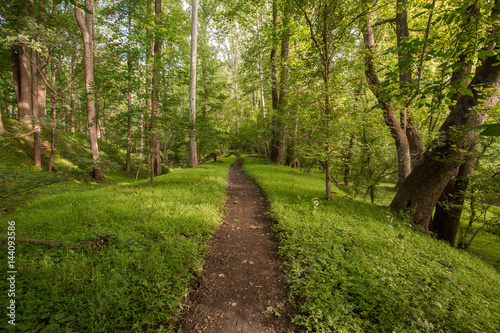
column 355, row 267
column 157, row 239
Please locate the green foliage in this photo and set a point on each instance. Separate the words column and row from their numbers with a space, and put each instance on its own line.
column 354, row 267
column 156, row 240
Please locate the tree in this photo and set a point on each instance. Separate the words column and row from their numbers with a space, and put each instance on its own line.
column 329, row 24
column 155, row 152
column 193, row 160
column 87, row 27
column 423, row 187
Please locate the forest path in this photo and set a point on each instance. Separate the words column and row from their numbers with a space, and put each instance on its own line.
column 243, row 288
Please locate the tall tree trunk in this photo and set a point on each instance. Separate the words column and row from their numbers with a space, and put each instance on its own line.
column 283, row 86
column 53, row 102
column 129, row 93
column 328, row 145
column 87, row 27
column 72, row 99
column 21, row 69
column 193, row 161
column 275, row 122
column 37, row 150
column 155, row 97
column 147, row 134
column 261, row 74
column 390, row 117
column 415, row 143
column 424, row 186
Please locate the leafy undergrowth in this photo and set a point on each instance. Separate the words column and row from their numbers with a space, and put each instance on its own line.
column 354, row 267
column 151, row 240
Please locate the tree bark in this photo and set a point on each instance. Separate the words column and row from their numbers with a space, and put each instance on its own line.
column 87, row 26
column 21, row 69
column 37, row 150
column 53, row 102
column 275, row 122
column 42, row 89
column 129, row 94
column 448, row 211
column 390, row 117
column 72, row 117
column 283, row 86
column 193, row 159
column 415, row 143
column 423, row 187
column 155, row 95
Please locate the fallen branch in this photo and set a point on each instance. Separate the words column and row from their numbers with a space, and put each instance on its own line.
column 98, row 243
column 44, row 242
column 336, row 181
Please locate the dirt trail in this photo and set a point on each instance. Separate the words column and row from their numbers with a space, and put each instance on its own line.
column 243, row 288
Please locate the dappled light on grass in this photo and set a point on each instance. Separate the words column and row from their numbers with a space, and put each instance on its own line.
column 156, row 239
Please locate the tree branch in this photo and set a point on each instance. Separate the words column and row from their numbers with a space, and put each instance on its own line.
column 382, row 22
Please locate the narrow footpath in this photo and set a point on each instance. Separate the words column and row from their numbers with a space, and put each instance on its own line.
column 243, row 287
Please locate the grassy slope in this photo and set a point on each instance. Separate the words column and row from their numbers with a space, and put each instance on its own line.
column 72, row 161
column 354, row 267
column 157, row 238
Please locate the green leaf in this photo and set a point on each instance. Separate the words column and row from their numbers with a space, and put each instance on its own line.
column 82, row 7
column 466, row 92
column 489, row 130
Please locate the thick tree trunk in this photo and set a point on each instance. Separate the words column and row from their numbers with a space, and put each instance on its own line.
column 86, row 27
column 415, row 143
column 448, row 211
column 21, row 69
column 193, row 159
column 390, row 117
column 423, row 187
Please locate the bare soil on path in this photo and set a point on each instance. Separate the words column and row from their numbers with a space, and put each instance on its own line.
column 243, row 288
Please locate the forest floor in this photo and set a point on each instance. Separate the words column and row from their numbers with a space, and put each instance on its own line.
column 243, row 286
